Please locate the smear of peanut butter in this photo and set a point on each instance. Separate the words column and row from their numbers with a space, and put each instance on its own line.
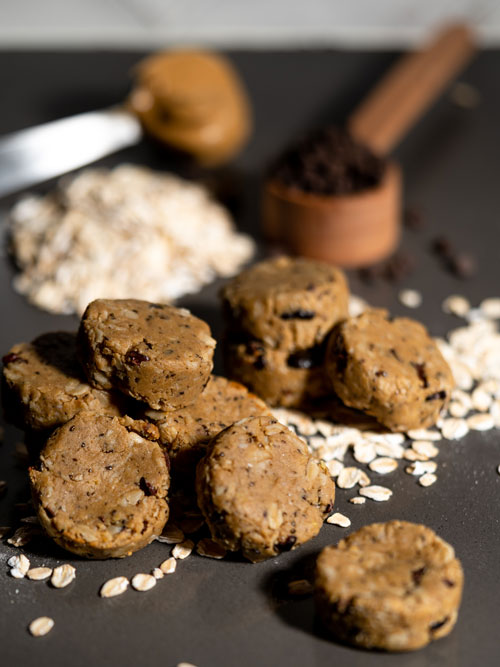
column 194, row 102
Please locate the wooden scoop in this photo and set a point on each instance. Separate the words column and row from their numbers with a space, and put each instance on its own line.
column 363, row 228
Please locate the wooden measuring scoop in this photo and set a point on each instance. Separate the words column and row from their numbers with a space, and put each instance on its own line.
column 363, row 228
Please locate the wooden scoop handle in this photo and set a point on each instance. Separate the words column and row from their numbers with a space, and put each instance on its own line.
column 405, row 92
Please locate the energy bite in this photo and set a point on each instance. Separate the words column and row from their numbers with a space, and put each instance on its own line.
column 44, row 385
column 287, row 303
column 280, row 378
column 260, row 490
column 390, row 369
column 185, row 433
column 153, row 352
column 393, row 586
column 100, row 488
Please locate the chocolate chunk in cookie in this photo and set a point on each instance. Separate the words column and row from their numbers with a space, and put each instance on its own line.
column 261, row 491
column 154, row 353
column 101, row 484
column 393, row 586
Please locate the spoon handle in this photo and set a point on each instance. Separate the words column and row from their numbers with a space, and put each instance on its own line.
column 397, row 102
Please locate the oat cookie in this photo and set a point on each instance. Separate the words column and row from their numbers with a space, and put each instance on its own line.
column 393, row 586
column 155, row 353
column 280, row 378
column 185, row 433
column 287, row 303
column 390, row 369
column 260, row 490
column 44, row 385
column 101, row 484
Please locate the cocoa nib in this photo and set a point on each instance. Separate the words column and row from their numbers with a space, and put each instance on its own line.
column 11, row 358
column 147, row 487
column 438, row 395
column 417, row 575
column 135, row 358
column 422, row 375
column 286, row 545
column 439, row 624
column 299, row 314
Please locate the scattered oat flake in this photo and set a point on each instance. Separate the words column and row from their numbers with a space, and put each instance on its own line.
column 171, row 535
column 23, row 535
column 454, row 429
column 374, row 492
column 480, row 422
column 63, row 575
column 357, row 500
column 427, row 479
column 113, row 587
column 421, row 467
column 157, row 573
column 410, row 298
column 356, row 305
column 39, row 573
column 348, row 477
column 183, row 549
column 457, row 409
column 334, row 467
column 426, row 448
column 168, row 566
column 143, row 582
column 383, row 465
column 185, row 664
column 456, row 305
column 424, row 434
column 339, row 519
column 41, row 626
column 210, row 549
column 300, row 587
column 364, row 451
column 19, row 566
column 498, row 469
column 490, row 308
column 481, row 400
column 411, row 455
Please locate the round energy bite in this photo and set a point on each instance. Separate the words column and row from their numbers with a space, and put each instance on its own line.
column 101, row 484
column 155, row 353
column 393, row 586
column 44, row 385
column 185, row 433
column 280, row 378
column 288, row 303
column 260, row 490
column 390, row 369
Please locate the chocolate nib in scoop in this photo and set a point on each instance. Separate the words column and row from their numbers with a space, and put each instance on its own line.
column 329, row 162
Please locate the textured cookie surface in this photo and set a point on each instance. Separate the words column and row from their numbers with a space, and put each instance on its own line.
column 101, row 485
column 185, row 433
column 260, row 491
column 155, row 353
column 45, row 386
column 391, row 369
column 280, row 378
column 393, row 586
column 287, row 303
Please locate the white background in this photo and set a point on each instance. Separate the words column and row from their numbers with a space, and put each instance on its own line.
column 249, row 23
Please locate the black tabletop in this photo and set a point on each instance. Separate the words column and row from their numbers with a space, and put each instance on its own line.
column 213, row 613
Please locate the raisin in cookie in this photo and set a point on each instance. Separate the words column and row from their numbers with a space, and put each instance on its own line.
column 260, row 490
column 155, row 353
column 390, row 369
column 393, row 586
column 287, row 303
column 100, row 488
column 44, row 385
column 280, row 378
column 185, row 433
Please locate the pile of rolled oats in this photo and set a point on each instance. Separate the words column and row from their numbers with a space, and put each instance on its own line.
column 125, row 233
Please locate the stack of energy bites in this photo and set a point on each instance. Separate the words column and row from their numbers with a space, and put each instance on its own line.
column 129, row 403
column 129, row 419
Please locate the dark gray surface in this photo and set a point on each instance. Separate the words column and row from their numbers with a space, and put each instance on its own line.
column 215, row 613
